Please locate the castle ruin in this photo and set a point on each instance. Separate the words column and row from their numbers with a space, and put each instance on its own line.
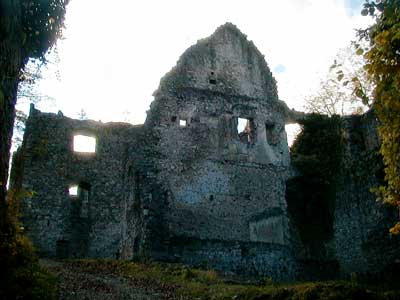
column 188, row 185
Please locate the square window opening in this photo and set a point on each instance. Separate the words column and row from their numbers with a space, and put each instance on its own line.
column 84, row 144
column 182, row 122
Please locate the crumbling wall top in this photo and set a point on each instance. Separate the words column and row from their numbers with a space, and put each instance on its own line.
column 226, row 62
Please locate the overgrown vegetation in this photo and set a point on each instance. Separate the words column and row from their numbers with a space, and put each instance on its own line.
column 316, row 153
column 175, row 281
column 383, row 67
column 27, row 30
column 21, row 277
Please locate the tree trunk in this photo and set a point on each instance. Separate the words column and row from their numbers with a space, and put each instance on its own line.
column 11, row 62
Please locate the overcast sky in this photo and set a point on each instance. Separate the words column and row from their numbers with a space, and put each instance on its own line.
column 115, row 52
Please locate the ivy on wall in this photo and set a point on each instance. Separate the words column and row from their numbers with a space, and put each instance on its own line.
column 383, row 67
column 316, row 153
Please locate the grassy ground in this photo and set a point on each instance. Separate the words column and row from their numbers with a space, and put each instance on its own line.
column 110, row 279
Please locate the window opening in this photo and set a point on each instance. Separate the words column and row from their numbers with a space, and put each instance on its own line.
column 246, row 130
column 292, row 130
column 241, row 125
column 173, row 119
column 73, row 190
column 182, row 123
column 84, row 143
column 81, row 194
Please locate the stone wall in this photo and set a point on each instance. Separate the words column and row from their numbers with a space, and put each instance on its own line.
column 189, row 186
column 93, row 222
column 361, row 239
column 225, row 187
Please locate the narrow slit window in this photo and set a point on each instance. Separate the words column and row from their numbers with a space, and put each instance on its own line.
column 84, row 143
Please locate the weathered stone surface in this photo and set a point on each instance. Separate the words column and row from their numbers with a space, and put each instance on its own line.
column 187, row 185
column 361, row 238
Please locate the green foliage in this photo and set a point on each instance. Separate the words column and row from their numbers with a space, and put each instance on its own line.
column 42, row 23
column 383, row 67
column 21, row 277
column 317, row 150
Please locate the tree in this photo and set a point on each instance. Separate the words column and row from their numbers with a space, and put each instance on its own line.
column 27, row 93
column 345, row 84
column 28, row 28
column 383, row 67
column 82, row 115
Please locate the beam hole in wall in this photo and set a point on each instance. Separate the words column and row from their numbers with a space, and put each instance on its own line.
column 246, row 130
column 84, row 143
column 173, row 119
column 212, row 79
column 182, row 122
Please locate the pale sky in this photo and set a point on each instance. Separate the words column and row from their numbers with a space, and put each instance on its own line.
column 114, row 53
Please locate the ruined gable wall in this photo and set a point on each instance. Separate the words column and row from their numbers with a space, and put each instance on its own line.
column 225, row 192
column 95, row 227
column 228, row 58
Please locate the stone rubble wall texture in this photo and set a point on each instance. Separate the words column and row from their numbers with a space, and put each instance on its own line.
column 361, row 239
column 185, row 186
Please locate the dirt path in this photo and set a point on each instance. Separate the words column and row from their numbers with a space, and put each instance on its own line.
column 77, row 283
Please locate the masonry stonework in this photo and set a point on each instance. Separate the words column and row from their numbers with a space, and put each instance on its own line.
column 186, row 186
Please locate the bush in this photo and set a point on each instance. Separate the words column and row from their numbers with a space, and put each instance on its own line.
column 21, row 276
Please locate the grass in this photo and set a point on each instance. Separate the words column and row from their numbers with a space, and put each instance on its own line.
column 189, row 283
